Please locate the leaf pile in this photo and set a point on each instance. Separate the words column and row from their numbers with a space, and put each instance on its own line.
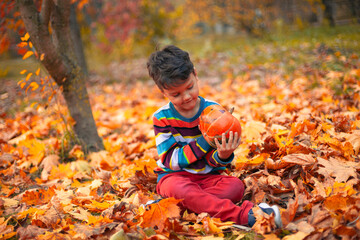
column 300, row 150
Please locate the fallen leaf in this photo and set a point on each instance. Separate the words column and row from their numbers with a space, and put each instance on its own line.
column 159, row 212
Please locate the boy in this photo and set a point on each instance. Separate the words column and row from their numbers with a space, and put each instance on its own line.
column 189, row 168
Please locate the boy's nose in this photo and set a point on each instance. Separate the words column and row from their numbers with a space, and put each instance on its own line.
column 186, row 97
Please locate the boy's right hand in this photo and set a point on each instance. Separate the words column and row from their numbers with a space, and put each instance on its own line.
column 225, row 149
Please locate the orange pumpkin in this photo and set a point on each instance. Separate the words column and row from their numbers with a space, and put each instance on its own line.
column 216, row 120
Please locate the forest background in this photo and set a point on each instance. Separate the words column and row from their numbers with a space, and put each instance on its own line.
column 290, row 68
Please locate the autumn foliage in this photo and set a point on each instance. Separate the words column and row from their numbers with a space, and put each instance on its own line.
column 300, row 150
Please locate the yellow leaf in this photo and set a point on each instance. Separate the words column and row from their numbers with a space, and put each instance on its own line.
column 34, row 86
column 33, row 104
column 23, row 71
column 30, row 44
column 95, row 220
column 26, row 37
column 22, row 85
column 36, row 150
column 28, row 76
column 28, row 54
column 31, row 211
column 42, row 56
column 37, row 72
column 258, row 159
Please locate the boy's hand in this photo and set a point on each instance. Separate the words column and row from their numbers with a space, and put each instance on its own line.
column 225, row 149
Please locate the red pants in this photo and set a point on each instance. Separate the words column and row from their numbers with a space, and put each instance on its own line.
column 214, row 194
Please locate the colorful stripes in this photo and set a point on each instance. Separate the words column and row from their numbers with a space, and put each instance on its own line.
column 180, row 144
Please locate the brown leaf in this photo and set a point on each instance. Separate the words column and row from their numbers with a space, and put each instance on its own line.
column 340, row 170
column 299, row 159
column 29, row 232
column 47, row 164
column 288, row 215
column 264, row 223
column 354, row 139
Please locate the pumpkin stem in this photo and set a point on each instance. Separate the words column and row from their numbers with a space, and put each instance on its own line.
column 231, row 110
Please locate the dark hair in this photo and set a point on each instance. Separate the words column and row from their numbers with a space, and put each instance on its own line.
column 169, row 66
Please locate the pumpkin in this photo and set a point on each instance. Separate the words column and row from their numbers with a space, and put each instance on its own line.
column 216, row 120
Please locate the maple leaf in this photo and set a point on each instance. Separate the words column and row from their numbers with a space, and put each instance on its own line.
column 159, row 212
column 61, row 171
column 339, row 169
column 36, row 150
column 38, row 196
column 212, row 225
column 49, row 219
column 354, row 139
column 30, row 232
column 253, row 130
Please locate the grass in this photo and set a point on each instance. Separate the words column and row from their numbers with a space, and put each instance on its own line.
column 284, row 45
column 11, row 68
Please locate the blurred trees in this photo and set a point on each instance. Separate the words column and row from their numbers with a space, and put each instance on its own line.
column 119, row 25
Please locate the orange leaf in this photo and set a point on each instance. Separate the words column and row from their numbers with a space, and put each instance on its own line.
column 28, row 54
column 22, row 44
column 34, row 86
column 42, row 56
column 159, row 212
column 37, row 72
column 26, row 37
column 38, row 197
column 23, row 71
column 336, row 202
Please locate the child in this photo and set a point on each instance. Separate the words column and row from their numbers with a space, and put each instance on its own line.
column 189, row 168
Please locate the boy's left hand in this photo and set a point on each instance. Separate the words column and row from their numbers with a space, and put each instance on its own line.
column 225, row 149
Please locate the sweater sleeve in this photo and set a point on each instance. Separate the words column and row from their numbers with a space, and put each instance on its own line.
column 213, row 159
column 173, row 155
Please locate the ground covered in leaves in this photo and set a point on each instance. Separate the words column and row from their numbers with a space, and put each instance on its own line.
column 300, row 150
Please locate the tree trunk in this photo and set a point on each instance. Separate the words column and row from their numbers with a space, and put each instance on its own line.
column 76, row 37
column 60, row 62
column 329, row 11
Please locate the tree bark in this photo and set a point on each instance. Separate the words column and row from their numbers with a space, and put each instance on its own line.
column 76, row 37
column 60, row 61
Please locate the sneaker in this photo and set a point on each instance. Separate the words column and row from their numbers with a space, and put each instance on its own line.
column 268, row 210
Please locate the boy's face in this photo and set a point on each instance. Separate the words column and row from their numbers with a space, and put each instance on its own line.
column 184, row 96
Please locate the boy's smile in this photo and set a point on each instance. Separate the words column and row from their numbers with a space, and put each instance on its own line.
column 185, row 96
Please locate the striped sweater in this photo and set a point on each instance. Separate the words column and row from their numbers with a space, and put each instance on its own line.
column 180, row 144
